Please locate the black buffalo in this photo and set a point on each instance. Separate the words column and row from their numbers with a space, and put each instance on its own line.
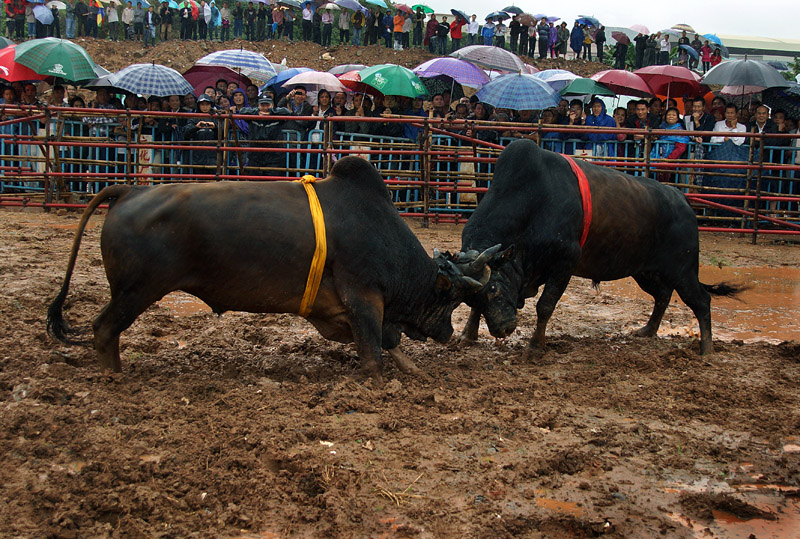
column 247, row 246
column 639, row 228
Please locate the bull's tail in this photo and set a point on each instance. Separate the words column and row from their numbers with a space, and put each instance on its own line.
column 728, row 290
column 56, row 326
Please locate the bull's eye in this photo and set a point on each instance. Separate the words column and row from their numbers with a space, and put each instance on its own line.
column 492, row 290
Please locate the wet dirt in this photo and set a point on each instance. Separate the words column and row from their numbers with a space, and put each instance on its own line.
column 245, row 425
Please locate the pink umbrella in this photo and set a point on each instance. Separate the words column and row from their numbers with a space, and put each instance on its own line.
column 640, row 28
column 623, row 82
column 201, row 76
column 404, row 7
column 672, row 80
column 316, row 80
column 352, row 81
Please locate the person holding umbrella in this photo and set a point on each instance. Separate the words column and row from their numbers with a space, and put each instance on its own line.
column 456, row 32
column 419, row 21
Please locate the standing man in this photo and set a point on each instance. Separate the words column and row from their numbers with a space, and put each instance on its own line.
column 641, row 45
column 138, row 21
column 151, row 22
column 441, row 33
column 112, row 18
column 473, row 29
column 308, row 13
column 327, row 27
column 419, row 24
column 81, row 14
column 344, row 26
column 665, row 48
column 543, row 31
column 127, row 21
column 358, row 25
column 600, row 40
column 515, row 29
column 166, row 20
column 456, row 29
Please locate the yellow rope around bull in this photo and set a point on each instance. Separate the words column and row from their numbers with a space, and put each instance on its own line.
column 320, row 251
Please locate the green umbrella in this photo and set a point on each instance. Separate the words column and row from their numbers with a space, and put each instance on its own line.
column 586, row 87
column 425, row 9
column 391, row 79
column 56, row 57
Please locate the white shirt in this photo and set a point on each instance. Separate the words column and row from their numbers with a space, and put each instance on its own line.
column 666, row 46
column 472, row 27
column 307, row 14
column 722, row 127
column 111, row 13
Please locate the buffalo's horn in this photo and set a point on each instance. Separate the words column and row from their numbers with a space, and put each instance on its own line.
column 436, row 253
column 473, row 283
column 483, row 258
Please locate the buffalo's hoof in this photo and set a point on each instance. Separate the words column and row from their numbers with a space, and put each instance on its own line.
column 645, row 332
column 467, row 340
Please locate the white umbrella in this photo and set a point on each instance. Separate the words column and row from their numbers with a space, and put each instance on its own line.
column 59, row 5
column 331, row 6
column 316, row 80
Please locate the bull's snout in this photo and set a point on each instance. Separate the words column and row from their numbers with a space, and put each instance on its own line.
column 503, row 330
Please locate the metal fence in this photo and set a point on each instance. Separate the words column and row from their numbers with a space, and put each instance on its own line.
column 59, row 157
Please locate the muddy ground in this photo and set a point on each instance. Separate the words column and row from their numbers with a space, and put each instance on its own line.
column 253, row 425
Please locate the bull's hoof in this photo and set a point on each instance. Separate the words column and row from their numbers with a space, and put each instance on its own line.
column 467, row 340
column 645, row 332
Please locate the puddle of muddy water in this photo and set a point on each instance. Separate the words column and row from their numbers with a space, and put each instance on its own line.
column 180, row 304
column 770, row 311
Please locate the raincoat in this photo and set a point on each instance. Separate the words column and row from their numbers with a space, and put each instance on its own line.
column 576, row 39
column 597, row 139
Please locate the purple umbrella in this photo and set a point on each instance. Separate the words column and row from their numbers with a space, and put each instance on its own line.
column 462, row 72
column 349, row 4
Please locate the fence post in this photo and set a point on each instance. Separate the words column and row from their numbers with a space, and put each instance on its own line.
column 220, row 134
column 224, row 130
column 327, row 138
column 128, row 137
column 425, row 169
column 747, row 177
column 757, row 202
column 647, row 144
column 48, row 195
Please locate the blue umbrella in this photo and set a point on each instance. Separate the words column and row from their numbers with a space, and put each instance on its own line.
column 461, row 14
column 173, row 4
column 502, row 15
column 43, row 14
column 589, row 21
column 151, row 79
column 379, row 3
column 689, row 49
column 519, row 92
column 513, row 9
column 350, row 4
column 278, row 80
column 713, row 38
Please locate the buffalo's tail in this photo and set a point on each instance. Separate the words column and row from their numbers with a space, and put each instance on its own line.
column 729, row 290
column 56, row 326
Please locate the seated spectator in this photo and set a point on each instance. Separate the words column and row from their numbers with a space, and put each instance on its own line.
column 729, row 125
column 205, row 132
column 671, row 146
column 599, row 142
column 265, row 132
column 483, row 113
column 296, row 102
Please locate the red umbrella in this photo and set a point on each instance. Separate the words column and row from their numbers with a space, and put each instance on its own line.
column 620, row 37
column 11, row 71
column 201, row 76
column 404, row 7
column 672, row 80
column 352, row 80
column 623, row 82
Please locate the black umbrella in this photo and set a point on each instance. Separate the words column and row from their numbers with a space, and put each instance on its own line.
column 785, row 99
column 513, row 9
column 438, row 85
column 459, row 13
column 745, row 73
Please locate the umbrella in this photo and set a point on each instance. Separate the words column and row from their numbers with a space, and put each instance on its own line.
column 713, row 38
column 518, row 92
column 60, row 58
column 461, row 14
column 12, row 71
column 59, row 5
column 151, row 79
column 290, row 3
column 589, row 21
column 527, row 19
column 393, row 79
column 690, row 50
column 352, row 81
column 346, row 68
column 640, row 29
column 671, row 80
column 785, row 99
column 440, row 85
column 502, row 15
column 349, row 4
column 623, row 82
column 745, row 73
column 583, row 86
column 459, row 70
column 280, row 79
column 200, row 76
column 620, row 37
column 490, row 57
column 529, row 69
column 43, row 14
column 513, row 9
column 253, row 65
column 556, row 78
column 425, row 9
column 553, row 19
column 331, row 6
column 404, row 7
column 5, row 42
column 173, row 4
column 315, row 81
column 379, row 3
column 683, row 27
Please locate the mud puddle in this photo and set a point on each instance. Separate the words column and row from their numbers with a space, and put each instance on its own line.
column 769, row 311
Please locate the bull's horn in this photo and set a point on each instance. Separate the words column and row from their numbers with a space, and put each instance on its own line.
column 483, row 258
column 436, row 253
column 477, row 285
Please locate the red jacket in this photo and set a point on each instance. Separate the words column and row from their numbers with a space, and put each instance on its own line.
column 455, row 28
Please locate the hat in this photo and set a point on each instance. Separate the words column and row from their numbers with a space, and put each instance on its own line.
column 264, row 98
column 204, row 98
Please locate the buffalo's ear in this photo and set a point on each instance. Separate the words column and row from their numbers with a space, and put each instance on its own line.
column 501, row 258
column 443, row 282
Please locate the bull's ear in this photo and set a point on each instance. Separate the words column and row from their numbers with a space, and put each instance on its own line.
column 501, row 258
column 443, row 282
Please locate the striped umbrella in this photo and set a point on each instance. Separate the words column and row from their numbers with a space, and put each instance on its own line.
column 151, row 79
column 490, row 57
column 519, row 92
column 251, row 64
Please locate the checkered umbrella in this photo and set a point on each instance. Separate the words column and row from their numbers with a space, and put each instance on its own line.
column 519, row 92
column 251, row 64
column 56, row 57
column 490, row 57
column 151, row 79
